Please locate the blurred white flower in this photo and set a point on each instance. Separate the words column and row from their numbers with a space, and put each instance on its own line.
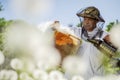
column 114, row 35
column 29, row 78
column 31, row 42
column 4, row 75
column 22, row 37
column 2, row 58
column 110, row 77
column 97, row 78
column 16, row 64
column 63, row 79
column 42, row 65
column 29, row 66
column 25, row 76
column 55, row 75
column 106, row 77
column 45, row 25
column 47, row 57
column 74, row 65
column 8, row 75
column 40, row 75
column 118, row 77
column 13, row 75
column 78, row 77
column 47, row 37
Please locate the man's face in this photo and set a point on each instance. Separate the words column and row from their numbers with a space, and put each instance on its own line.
column 89, row 24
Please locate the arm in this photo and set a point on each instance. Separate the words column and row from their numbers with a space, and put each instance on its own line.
column 107, row 38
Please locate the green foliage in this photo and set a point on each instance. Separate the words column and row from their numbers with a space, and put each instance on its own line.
column 111, row 24
column 3, row 24
column 110, row 65
column 79, row 25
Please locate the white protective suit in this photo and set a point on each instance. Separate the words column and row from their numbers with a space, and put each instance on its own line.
column 90, row 53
